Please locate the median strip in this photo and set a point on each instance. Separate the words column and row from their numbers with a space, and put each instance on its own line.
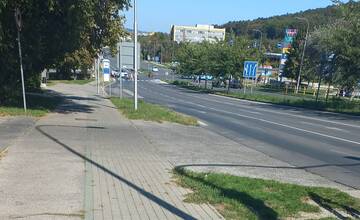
column 151, row 112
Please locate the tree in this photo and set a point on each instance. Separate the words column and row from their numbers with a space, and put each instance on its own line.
column 52, row 31
column 342, row 39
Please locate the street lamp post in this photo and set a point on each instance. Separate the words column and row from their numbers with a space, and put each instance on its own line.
column 303, row 53
column 18, row 25
column 135, row 58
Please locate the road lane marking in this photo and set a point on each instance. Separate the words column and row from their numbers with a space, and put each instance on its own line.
column 277, row 112
column 288, row 126
column 333, row 128
column 267, row 121
column 202, row 124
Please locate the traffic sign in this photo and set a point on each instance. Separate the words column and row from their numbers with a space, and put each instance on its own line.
column 250, row 68
column 106, row 69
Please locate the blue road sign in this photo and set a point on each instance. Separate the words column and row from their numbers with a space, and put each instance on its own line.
column 250, row 68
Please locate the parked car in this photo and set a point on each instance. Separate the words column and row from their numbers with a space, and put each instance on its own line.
column 155, row 69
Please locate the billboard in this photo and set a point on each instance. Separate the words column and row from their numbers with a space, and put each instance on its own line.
column 290, row 35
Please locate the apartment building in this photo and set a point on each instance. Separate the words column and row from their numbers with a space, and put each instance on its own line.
column 197, row 34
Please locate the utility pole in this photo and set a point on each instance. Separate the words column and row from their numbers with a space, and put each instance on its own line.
column 303, row 53
column 120, row 69
column 98, row 74
column 135, row 59
column 18, row 25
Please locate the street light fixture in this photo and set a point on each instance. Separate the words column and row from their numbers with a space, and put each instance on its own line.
column 303, row 54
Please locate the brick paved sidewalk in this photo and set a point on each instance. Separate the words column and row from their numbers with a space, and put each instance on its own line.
column 44, row 175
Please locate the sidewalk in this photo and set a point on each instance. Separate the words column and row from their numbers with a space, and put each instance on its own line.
column 13, row 127
column 87, row 161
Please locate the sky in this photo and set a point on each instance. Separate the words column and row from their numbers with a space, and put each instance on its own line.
column 159, row 15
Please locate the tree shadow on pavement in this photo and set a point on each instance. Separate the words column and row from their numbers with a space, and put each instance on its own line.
column 176, row 211
column 328, row 204
column 256, row 206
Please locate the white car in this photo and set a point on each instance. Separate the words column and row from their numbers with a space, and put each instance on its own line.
column 155, row 69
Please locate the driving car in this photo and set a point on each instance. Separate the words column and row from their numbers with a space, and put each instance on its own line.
column 155, row 69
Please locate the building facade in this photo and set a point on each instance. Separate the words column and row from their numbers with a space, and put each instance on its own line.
column 197, row 34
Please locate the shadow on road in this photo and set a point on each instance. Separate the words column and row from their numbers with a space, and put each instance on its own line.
column 176, row 211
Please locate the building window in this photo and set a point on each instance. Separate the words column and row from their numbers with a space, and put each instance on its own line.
column 189, row 31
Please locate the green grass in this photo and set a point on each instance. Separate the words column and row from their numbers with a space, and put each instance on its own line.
column 248, row 198
column 38, row 105
column 151, row 112
column 75, row 82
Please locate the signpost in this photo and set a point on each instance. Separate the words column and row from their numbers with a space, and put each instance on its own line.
column 250, row 69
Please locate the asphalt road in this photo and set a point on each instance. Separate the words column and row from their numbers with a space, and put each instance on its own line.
column 323, row 143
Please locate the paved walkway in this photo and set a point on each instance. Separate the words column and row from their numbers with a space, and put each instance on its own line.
column 13, row 127
column 44, row 175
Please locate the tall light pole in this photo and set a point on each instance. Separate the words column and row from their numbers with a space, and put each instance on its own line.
column 18, row 25
column 135, row 58
column 303, row 53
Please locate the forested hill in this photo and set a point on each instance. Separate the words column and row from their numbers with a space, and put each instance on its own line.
column 273, row 27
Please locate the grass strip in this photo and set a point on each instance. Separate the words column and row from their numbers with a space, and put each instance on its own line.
column 151, row 112
column 38, row 105
column 248, row 198
column 74, row 82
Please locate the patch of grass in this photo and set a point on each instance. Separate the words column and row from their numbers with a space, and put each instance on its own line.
column 248, row 198
column 151, row 112
column 75, row 82
column 38, row 105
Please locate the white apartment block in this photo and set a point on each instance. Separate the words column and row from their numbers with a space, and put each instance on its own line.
column 197, row 34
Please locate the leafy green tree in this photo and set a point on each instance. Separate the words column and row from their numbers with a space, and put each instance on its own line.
column 53, row 30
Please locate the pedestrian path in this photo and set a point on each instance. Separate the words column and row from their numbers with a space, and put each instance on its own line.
column 13, row 127
column 87, row 161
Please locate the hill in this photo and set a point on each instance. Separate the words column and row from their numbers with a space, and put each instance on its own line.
column 273, row 27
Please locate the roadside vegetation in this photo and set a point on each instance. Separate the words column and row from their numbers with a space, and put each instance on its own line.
column 38, row 105
column 66, row 44
column 151, row 112
column 76, row 82
column 248, row 198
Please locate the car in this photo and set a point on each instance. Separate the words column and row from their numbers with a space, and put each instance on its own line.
column 155, row 69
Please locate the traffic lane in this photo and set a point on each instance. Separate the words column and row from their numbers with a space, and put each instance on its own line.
column 335, row 145
column 295, row 148
column 204, row 107
column 339, row 168
column 345, row 134
column 319, row 116
column 327, row 125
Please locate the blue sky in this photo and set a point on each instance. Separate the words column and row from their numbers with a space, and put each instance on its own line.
column 159, row 15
